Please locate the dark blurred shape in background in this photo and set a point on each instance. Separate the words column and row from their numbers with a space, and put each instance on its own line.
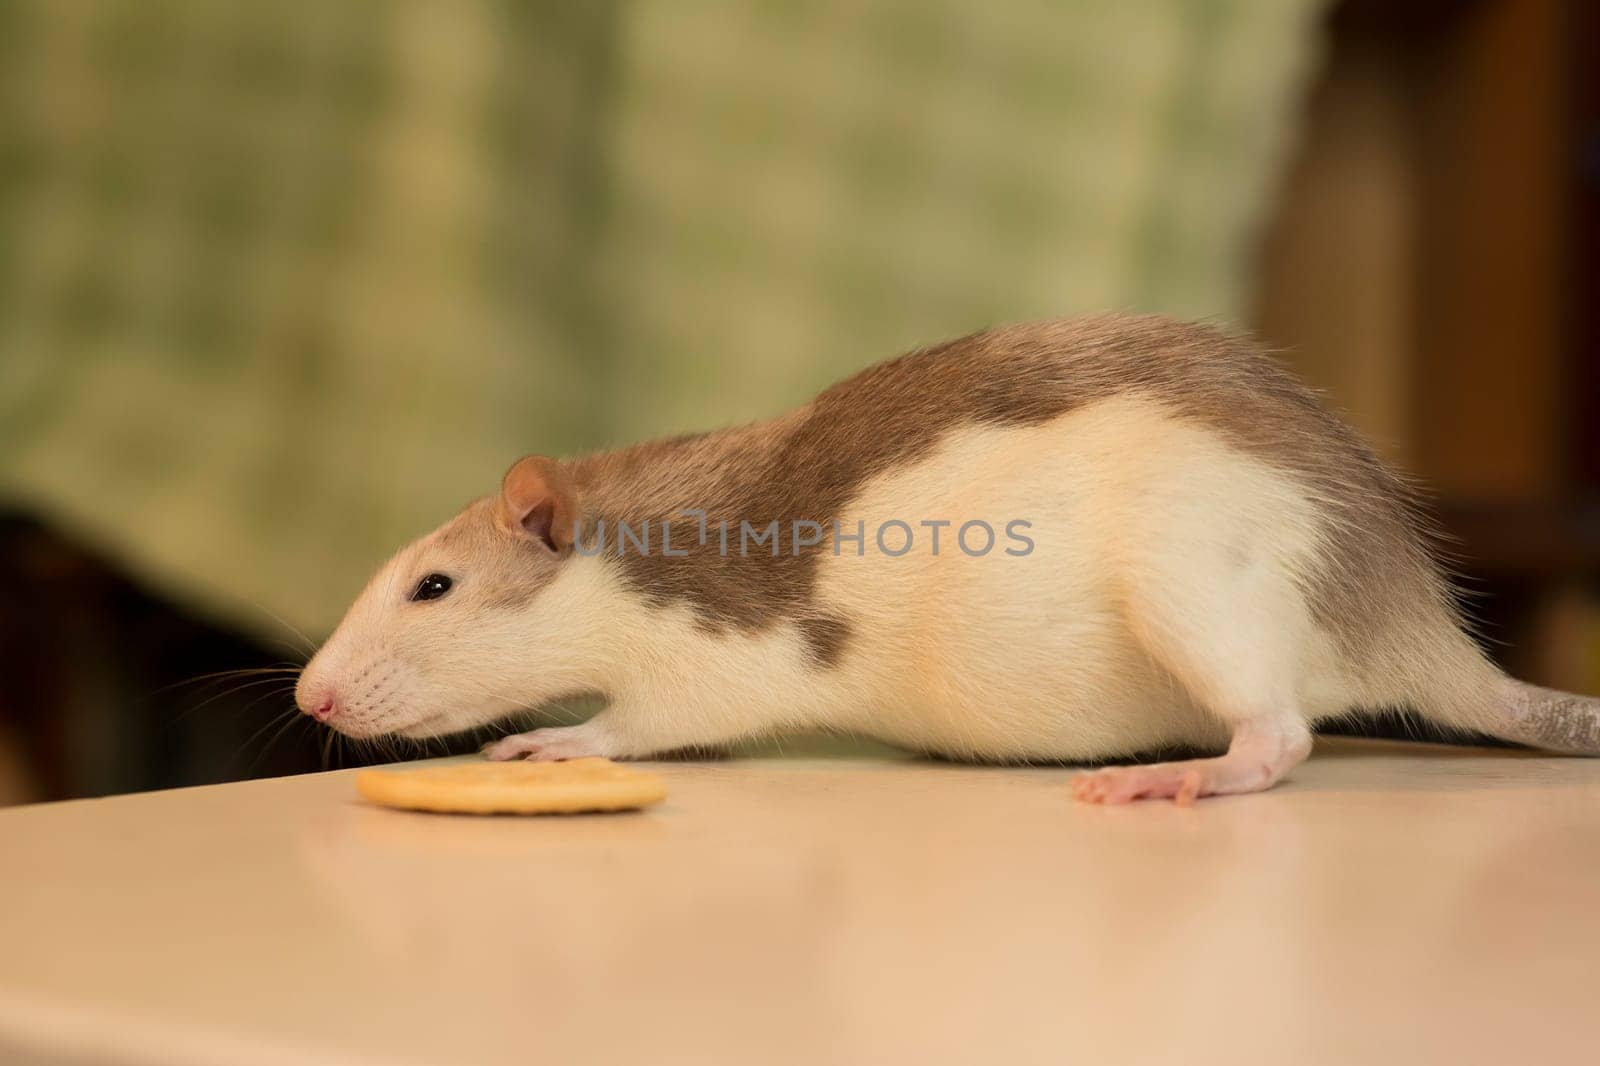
column 281, row 286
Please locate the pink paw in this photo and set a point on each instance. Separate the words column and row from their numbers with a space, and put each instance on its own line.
column 545, row 745
column 1124, row 784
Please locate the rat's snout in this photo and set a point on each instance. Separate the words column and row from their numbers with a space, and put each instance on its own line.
column 318, row 699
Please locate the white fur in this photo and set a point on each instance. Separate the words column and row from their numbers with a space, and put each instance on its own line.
column 1160, row 602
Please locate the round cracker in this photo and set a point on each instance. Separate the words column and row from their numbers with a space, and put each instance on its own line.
column 514, row 787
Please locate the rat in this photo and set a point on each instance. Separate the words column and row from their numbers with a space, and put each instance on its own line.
column 1068, row 541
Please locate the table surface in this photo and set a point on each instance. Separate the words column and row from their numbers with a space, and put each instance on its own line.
column 1389, row 903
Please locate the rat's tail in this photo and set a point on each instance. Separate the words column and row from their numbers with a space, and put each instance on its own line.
column 1549, row 719
column 1514, row 710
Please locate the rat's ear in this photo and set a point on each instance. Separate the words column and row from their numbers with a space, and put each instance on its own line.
column 537, row 499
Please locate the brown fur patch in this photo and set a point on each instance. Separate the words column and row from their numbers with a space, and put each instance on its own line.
column 808, row 465
column 825, row 636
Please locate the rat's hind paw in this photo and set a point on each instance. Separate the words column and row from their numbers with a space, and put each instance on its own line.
column 1261, row 753
column 1123, row 784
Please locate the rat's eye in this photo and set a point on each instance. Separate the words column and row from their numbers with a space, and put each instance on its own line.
column 431, row 588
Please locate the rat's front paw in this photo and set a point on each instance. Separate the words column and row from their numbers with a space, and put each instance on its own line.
column 549, row 745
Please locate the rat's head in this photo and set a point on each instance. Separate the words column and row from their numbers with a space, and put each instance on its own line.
column 459, row 628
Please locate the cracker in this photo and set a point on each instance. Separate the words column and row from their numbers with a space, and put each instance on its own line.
column 514, row 787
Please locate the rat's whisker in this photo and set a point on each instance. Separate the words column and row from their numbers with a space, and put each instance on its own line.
column 218, row 675
column 271, row 723
column 310, row 646
column 288, row 727
column 284, row 685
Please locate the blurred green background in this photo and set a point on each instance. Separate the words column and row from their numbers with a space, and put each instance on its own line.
column 283, row 285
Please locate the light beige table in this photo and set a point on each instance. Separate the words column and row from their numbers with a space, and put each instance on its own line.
column 1389, row 904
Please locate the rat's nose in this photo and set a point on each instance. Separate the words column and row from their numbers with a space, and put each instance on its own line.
column 321, row 703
